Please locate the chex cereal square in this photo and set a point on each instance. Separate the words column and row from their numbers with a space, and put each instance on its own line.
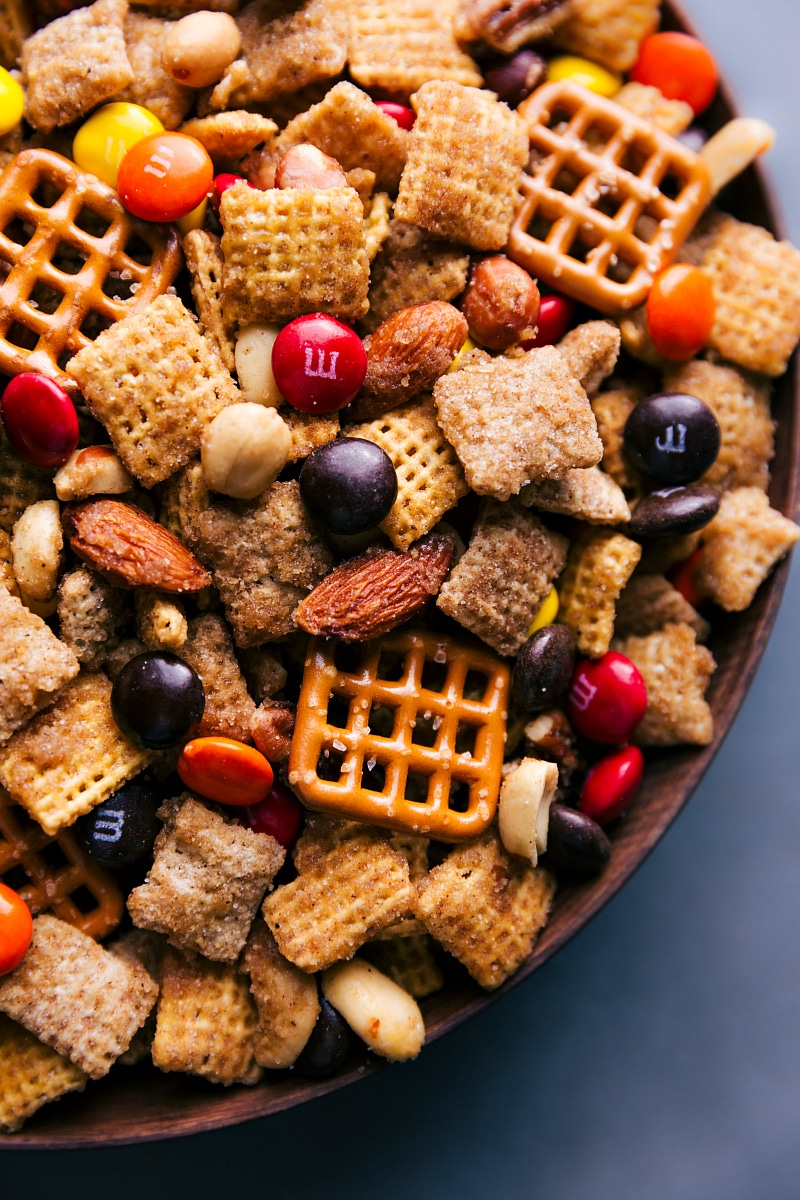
column 600, row 564
column 286, row 999
column 204, row 260
column 676, row 672
column 36, row 664
column 152, row 86
column 608, row 31
column 229, row 706
column 741, row 546
column 585, row 492
column 31, row 1074
column 413, row 267
column 649, row 602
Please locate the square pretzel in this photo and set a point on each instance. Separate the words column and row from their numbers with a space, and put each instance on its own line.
column 407, row 733
column 600, row 169
column 76, row 263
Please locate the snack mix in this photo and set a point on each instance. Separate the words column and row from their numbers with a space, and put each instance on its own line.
column 385, row 422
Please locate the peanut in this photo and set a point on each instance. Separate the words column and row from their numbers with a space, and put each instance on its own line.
column 254, row 365
column 244, row 450
column 93, row 471
column 199, row 48
column 524, row 808
column 307, row 167
column 376, row 1008
column 36, row 546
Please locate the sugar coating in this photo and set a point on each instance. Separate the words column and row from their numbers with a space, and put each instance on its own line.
column 465, row 157
column 508, row 26
column 586, row 493
column 649, row 602
column 36, row 665
column 265, row 557
column 75, row 63
column 205, row 1021
column 430, row 480
column 676, row 672
column 409, row 961
column 611, row 410
column 756, row 283
column 376, row 223
column 152, row 86
column 741, row 546
column 600, row 564
column 31, row 1074
column 397, row 47
column 182, row 499
column 286, row 998
column 516, row 420
column 485, row 908
column 285, row 47
column 208, row 876
column 264, row 672
column 91, row 615
column 740, row 402
column 76, row 997
column 591, row 351
column 14, row 28
column 347, row 125
column 412, row 268
column 673, row 116
column 160, row 621
column 308, row 431
column 416, row 852
column 155, row 383
column 20, row 486
column 204, row 260
column 229, row 706
column 344, row 894
column 292, row 251
column 145, row 949
column 608, row 31
column 229, row 136
column 504, row 575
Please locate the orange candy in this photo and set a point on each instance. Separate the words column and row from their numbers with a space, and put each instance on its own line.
column 680, row 67
column 680, row 311
column 16, row 929
column 164, row 176
column 225, row 770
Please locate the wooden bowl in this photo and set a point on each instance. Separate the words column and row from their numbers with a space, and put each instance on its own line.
column 141, row 1104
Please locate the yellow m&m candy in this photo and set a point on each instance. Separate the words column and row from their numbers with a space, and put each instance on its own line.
column 588, row 74
column 102, row 142
column 12, row 102
column 547, row 613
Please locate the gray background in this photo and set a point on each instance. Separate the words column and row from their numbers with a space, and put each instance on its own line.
column 658, row 1055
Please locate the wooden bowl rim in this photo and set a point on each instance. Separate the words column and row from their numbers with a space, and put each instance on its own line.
column 179, row 1105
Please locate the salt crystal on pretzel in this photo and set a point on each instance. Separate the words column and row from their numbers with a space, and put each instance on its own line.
column 500, row 581
column 609, row 31
column 292, row 251
column 649, row 602
column 31, row 1075
column 741, row 546
column 229, row 706
column 76, row 997
column 206, row 1020
column 676, row 672
column 412, row 268
column 600, row 564
column 486, row 909
column 207, row 879
column 462, row 174
column 71, row 757
column 92, row 615
column 152, row 86
column 286, row 998
column 36, row 665
column 396, row 47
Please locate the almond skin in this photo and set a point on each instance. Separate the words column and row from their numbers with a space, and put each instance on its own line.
column 406, row 355
column 307, row 167
column 376, row 592
column 130, row 549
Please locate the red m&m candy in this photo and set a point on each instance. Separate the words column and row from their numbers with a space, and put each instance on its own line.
column 164, row 176
column 319, row 364
column 405, row 117
column 220, row 184
column 40, row 419
column 607, row 698
column 279, row 815
column 556, row 314
column 611, row 786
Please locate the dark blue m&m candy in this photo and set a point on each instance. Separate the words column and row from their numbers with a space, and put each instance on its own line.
column 121, row 830
column 673, row 437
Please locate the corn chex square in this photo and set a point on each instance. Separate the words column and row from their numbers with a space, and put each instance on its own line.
column 152, row 86
column 608, row 31
column 341, row 898
column 208, row 876
column 285, row 47
column 676, row 672
column 71, row 757
column 741, row 546
column 286, row 998
column 75, row 996
column 293, row 251
column 600, row 564
column 75, row 63
column 430, row 480
column 516, row 420
column 409, row 961
column 398, row 46
column 411, row 268
column 649, row 602
column 36, row 665
column 486, row 909
column 229, row 706
column 501, row 580
column 465, row 157
column 756, row 283
column 206, row 1020
column 308, row 431
column 31, row 1075
column 155, row 383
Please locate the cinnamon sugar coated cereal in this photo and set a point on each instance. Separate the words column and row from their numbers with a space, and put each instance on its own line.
column 484, row 506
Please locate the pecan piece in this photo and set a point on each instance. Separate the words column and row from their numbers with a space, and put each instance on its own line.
column 271, row 729
column 376, row 592
column 508, row 24
column 130, row 549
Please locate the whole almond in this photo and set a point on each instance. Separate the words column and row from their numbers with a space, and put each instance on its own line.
column 376, row 592
column 406, row 355
column 307, row 167
column 501, row 303
column 130, row 549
